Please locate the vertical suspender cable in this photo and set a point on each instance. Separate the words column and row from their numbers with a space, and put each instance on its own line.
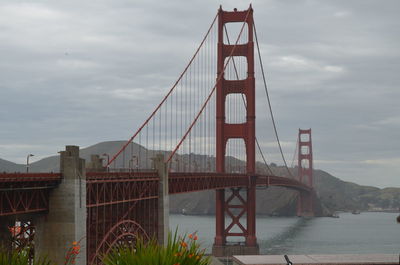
column 269, row 101
column 244, row 102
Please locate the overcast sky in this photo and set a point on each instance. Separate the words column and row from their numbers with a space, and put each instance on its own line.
column 82, row 72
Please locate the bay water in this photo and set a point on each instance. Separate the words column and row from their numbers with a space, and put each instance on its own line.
column 368, row 232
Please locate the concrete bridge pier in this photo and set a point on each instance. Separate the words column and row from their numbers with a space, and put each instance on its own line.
column 305, row 204
column 163, row 199
column 66, row 220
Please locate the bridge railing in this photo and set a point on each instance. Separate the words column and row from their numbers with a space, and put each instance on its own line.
column 29, row 177
column 23, row 193
column 93, row 176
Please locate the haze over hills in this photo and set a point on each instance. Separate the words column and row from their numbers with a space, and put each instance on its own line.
column 334, row 194
column 7, row 166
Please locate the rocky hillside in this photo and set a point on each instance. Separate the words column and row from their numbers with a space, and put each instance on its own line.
column 334, row 194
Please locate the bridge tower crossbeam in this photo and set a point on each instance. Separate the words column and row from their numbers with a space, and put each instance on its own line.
column 226, row 131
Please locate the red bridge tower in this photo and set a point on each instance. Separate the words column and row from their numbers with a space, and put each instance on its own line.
column 305, row 173
column 246, row 131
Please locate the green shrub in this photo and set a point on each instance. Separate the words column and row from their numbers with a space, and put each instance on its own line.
column 20, row 257
column 178, row 251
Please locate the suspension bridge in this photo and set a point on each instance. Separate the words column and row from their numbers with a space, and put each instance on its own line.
column 201, row 136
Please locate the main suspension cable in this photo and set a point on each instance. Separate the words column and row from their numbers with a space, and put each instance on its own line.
column 294, row 154
column 210, row 95
column 165, row 97
column 245, row 105
column 269, row 102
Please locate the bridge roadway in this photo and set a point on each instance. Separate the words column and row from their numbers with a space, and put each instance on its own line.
column 22, row 193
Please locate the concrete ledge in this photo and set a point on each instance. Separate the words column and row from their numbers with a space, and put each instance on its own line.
column 230, row 250
column 215, row 261
column 350, row 259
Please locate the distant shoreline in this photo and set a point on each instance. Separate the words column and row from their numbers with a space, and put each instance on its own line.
column 383, row 211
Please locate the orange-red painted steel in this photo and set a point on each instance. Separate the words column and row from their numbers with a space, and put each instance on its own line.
column 305, row 173
column 199, row 181
column 22, row 193
column 121, row 204
column 245, row 131
column 120, row 207
column 30, row 177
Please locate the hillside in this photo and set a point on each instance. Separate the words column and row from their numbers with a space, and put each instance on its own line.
column 340, row 195
column 334, row 194
column 7, row 166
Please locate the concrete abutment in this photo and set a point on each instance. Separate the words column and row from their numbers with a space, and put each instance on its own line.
column 163, row 199
column 66, row 220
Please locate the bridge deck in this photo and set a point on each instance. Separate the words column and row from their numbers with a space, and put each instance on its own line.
column 29, row 177
column 28, row 192
column 183, row 182
column 22, row 193
column 189, row 182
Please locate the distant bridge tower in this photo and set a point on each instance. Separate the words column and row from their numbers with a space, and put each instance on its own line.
column 305, row 173
column 246, row 131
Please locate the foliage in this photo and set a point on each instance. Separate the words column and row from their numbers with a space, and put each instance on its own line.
column 178, row 251
column 18, row 257
column 22, row 257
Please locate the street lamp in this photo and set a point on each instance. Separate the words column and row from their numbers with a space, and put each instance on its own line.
column 177, row 164
column 208, row 166
column 136, row 158
column 130, row 164
column 108, row 160
column 27, row 162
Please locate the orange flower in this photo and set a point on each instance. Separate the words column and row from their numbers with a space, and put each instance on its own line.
column 190, row 255
column 183, row 244
column 72, row 252
column 197, row 257
column 15, row 230
column 195, row 237
column 190, row 236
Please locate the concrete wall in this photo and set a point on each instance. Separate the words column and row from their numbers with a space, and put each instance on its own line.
column 66, row 220
column 163, row 199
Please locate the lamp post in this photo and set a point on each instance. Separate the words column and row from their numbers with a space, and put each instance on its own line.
column 108, row 160
column 130, row 165
column 177, row 164
column 27, row 162
column 136, row 158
